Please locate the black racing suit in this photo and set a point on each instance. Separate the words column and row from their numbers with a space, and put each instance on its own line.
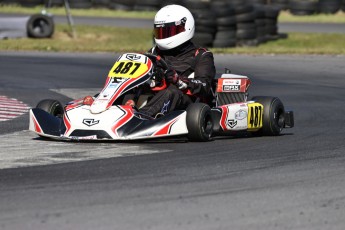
column 185, row 60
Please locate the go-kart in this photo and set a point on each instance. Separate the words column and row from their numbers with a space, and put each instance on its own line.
column 106, row 116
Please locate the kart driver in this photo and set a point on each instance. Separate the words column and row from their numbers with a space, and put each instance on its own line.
column 191, row 69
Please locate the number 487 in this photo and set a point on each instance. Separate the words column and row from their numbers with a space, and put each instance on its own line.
column 255, row 116
column 123, row 68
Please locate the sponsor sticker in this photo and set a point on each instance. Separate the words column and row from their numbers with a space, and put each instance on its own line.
column 90, row 122
column 240, row 114
column 232, row 123
column 227, row 88
column 133, row 57
column 92, row 137
column 231, row 82
column 113, row 85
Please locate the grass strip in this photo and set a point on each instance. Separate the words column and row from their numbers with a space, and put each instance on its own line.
column 296, row 43
column 113, row 39
column 89, row 39
column 315, row 18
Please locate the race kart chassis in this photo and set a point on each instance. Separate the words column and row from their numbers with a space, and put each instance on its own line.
column 100, row 118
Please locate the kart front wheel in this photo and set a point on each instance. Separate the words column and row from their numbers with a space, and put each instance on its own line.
column 273, row 115
column 199, row 122
column 51, row 106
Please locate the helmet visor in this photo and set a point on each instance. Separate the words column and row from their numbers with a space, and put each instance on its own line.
column 167, row 30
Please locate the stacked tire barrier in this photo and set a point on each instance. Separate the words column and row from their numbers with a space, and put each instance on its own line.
column 281, row 4
column 205, row 22
column 225, row 34
column 303, row 7
column 330, row 6
column 233, row 22
column 309, row 7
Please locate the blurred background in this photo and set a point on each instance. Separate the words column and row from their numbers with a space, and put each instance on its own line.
column 219, row 23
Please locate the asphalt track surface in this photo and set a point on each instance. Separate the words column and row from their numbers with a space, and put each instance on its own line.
column 293, row 181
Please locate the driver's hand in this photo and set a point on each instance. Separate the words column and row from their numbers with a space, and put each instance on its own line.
column 171, row 76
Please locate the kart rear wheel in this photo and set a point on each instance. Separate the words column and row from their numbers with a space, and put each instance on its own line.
column 199, row 122
column 273, row 116
column 51, row 106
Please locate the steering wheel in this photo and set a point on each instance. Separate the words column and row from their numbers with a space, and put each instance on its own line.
column 158, row 59
column 160, row 76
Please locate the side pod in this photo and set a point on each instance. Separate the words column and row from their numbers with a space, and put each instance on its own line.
column 42, row 122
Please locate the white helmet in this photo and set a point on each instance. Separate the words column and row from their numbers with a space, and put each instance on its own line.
column 173, row 26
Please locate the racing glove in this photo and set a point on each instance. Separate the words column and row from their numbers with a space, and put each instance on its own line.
column 172, row 77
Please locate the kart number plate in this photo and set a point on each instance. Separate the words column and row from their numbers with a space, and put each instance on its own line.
column 255, row 112
column 128, row 69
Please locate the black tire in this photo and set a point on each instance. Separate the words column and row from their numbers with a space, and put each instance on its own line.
column 225, row 35
column 190, row 4
column 118, row 6
column 260, row 22
column 205, row 22
column 40, row 26
column 199, row 122
column 80, row 4
column 281, row 4
column 56, row 3
column 302, row 7
column 246, row 26
column 222, row 43
column 203, row 14
column 205, row 29
column 329, row 6
column 236, row 3
column 246, row 34
column 101, row 3
column 223, row 11
column 256, row 2
column 260, row 12
column 261, row 31
column 247, row 17
column 31, row 3
column 273, row 115
column 155, row 3
column 226, row 21
column 125, row 5
column 248, row 42
column 203, row 39
column 271, row 30
column 125, row 2
column 272, row 12
column 51, row 106
column 170, row 2
column 270, row 22
column 243, row 9
column 226, row 28
column 145, row 8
